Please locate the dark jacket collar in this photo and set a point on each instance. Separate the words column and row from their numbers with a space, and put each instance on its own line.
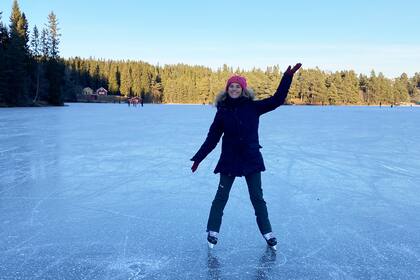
column 233, row 102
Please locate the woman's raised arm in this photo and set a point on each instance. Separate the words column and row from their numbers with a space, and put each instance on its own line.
column 272, row 102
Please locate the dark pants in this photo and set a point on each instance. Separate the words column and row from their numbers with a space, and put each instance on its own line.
column 255, row 193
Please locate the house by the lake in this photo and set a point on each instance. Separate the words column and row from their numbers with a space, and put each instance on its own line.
column 87, row 91
column 101, row 91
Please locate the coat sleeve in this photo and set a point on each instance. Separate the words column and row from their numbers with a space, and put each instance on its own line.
column 272, row 102
column 213, row 137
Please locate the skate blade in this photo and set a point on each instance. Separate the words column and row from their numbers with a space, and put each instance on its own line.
column 210, row 245
column 274, row 247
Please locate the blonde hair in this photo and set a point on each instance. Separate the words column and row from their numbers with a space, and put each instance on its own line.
column 221, row 97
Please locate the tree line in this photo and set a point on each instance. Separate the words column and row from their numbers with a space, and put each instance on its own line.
column 182, row 83
column 32, row 72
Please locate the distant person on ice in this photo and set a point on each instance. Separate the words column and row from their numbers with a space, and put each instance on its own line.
column 237, row 119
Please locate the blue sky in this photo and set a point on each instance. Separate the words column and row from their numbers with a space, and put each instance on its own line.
column 333, row 35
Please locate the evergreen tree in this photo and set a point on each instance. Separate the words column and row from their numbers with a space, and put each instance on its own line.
column 16, row 59
column 332, row 92
column 4, row 41
column 136, row 82
column 350, row 87
column 400, row 89
column 364, row 87
column 385, row 89
column 54, row 67
column 54, row 36
column 24, row 29
column 373, row 91
column 45, row 44
column 96, row 77
column 113, row 84
column 35, row 43
column 36, row 55
column 157, row 89
column 126, row 78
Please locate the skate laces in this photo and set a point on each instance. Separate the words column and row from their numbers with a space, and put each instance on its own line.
column 268, row 236
column 213, row 233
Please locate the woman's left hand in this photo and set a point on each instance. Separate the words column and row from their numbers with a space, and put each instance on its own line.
column 291, row 71
column 195, row 166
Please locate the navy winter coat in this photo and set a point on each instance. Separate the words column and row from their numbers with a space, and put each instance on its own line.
column 237, row 119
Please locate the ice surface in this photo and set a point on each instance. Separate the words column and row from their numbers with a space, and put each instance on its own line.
column 105, row 191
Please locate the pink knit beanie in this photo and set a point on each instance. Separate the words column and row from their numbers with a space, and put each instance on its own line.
column 236, row 79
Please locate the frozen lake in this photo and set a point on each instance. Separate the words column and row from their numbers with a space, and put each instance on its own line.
column 105, row 191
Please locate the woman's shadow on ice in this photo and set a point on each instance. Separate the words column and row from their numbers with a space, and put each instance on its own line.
column 265, row 264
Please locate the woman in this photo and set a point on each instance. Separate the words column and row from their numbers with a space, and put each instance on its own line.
column 237, row 118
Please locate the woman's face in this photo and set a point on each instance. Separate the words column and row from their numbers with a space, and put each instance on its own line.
column 234, row 90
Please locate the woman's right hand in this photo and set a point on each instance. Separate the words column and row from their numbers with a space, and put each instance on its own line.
column 195, row 166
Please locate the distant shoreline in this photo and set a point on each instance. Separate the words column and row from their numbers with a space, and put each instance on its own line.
column 45, row 104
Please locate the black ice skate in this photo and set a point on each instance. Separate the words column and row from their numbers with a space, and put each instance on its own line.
column 212, row 239
column 271, row 240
